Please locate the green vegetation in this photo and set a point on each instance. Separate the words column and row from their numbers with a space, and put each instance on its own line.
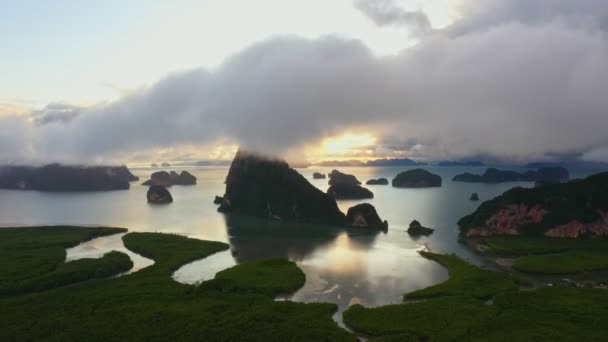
column 547, row 314
column 32, row 259
column 561, row 263
column 447, row 318
column 464, row 280
column 578, row 200
column 522, row 245
column 110, row 264
column 149, row 305
column 551, row 255
column 268, row 276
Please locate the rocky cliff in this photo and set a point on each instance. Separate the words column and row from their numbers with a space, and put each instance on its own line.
column 349, row 191
column 336, row 177
column 269, row 188
column 573, row 209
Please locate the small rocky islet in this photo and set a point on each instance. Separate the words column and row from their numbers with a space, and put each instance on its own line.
column 417, row 229
column 416, row 178
column 171, row 178
column 158, row 194
column 349, row 191
column 336, row 177
column 364, row 215
column 379, row 181
column 318, row 175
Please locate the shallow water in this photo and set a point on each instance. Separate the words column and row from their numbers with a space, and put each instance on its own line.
column 343, row 266
column 97, row 247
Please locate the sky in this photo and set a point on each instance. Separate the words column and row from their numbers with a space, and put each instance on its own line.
column 142, row 81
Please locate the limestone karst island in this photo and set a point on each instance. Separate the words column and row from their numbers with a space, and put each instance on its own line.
column 351, row 170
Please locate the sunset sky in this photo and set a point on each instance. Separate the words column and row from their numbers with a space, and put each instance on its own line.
column 141, row 81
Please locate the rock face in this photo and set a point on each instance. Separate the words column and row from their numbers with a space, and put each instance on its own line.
column 349, row 191
column 158, row 194
column 120, row 172
column 167, row 179
column 336, row 177
column 184, row 178
column 218, row 200
column 364, row 215
column 159, row 178
column 417, row 229
column 492, row 175
column 474, row 197
column 571, row 209
column 416, row 178
column 379, row 181
column 268, row 188
column 59, row 178
column 318, row 175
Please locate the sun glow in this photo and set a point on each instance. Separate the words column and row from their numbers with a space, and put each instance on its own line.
column 348, row 145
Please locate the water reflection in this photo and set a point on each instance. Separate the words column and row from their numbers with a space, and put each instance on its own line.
column 357, row 269
column 342, row 266
column 97, row 247
column 252, row 238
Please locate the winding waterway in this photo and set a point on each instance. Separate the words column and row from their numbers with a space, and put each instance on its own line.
column 342, row 266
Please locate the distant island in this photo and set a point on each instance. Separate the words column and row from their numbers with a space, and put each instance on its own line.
column 399, row 162
column 469, row 163
column 573, row 209
column 66, row 178
column 165, row 178
column 416, row 178
column 375, row 162
column 379, row 181
column 492, row 175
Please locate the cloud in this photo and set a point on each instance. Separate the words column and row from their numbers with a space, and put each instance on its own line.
column 14, row 142
column 56, row 113
column 388, row 13
column 507, row 86
column 478, row 15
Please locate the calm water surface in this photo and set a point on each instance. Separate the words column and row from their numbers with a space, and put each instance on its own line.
column 342, row 266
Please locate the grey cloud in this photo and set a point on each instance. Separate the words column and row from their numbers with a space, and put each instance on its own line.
column 480, row 15
column 56, row 113
column 516, row 90
column 14, row 143
column 388, row 13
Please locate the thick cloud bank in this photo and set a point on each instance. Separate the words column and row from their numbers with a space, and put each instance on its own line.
column 518, row 80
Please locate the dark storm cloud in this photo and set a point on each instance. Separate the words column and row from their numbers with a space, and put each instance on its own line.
column 515, row 88
column 387, row 13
